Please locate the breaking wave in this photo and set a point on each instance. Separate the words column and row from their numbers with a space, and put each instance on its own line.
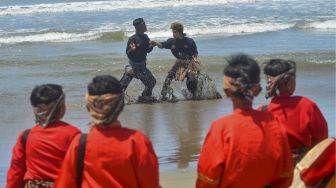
column 108, row 6
column 111, row 33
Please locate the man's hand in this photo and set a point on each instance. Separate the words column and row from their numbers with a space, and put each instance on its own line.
column 152, row 43
column 132, row 46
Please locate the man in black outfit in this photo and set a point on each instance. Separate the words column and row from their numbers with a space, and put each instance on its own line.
column 138, row 46
column 185, row 51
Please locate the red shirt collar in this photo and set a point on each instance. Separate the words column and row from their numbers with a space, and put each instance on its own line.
column 242, row 109
column 114, row 125
column 282, row 95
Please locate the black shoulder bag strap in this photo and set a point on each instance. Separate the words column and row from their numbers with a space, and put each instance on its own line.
column 24, row 139
column 80, row 160
column 264, row 108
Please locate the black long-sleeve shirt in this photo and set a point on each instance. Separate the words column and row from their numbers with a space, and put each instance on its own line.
column 184, row 48
column 142, row 47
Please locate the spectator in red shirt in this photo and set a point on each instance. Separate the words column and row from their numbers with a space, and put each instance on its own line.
column 114, row 156
column 301, row 117
column 246, row 148
column 39, row 151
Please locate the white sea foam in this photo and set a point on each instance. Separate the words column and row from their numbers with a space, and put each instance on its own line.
column 49, row 37
column 228, row 30
column 328, row 24
column 109, row 5
column 113, row 32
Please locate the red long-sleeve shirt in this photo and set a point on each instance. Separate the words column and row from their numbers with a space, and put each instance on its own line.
column 45, row 151
column 302, row 119
column 322, row 167
column 245, row 149
column 114, row 157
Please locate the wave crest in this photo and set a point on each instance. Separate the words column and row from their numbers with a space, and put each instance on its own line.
column 108, row 6
column 64, row 37
column 320, row 25
column 112, row 33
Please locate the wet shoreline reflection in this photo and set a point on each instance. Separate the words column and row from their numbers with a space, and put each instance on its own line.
column 177, row 130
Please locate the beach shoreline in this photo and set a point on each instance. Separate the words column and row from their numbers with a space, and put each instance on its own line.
column 178, row 179
column 60, row 42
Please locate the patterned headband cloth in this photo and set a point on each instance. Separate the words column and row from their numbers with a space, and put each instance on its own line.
column 45, row 113
column 237, row 85
column 273, row 82
column 104, row 109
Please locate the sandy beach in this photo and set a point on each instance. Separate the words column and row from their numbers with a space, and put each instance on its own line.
column 178, row 179
column 177, row 130
column 68, row 43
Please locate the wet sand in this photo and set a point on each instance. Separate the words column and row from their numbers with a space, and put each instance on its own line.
column 177, row 130
column 179, row 179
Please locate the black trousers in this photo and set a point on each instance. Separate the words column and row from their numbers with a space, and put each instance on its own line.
column 140, row 72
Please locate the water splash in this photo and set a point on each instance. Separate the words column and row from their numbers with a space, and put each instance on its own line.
column 206, row 89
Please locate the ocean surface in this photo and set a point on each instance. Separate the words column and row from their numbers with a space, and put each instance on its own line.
column 69, row 42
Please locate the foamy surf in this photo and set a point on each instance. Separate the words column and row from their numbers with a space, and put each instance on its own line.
column 64, row 37
column 108, row 6
column 321, row 25
column 225, row 30
column 111, row 34
column 49, row 37
column 114, row 33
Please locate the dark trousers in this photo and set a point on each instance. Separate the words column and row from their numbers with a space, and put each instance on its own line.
column 140, row 72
